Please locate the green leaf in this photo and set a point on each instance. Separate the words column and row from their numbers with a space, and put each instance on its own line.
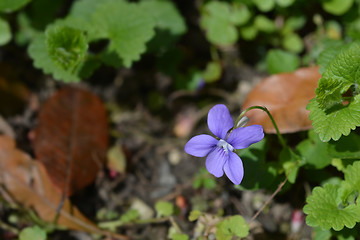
column 332, row 48
column 5, row 32
column 179, row 236
column 257, row 173
column 240, row 14
column 128, row 26
column 341, row 74
column 285, row 3
column 212, row 72
column 295, row 22
column 337, row 7
column 66, row 46
column 339, row 120
column 194, row 215
column 264, row 24
column 323, row 209
column 217, row 20
column 320, row 234
column 12, row 5
column 248, row 32
column 314, row 151
column 166, row 15
column 293, row 43
column 232, row 226
column 164, row 209
column 32, row 233
column 42, row 60
column 264, row 5
column 278, row 61
column 350, row 187
column 129, row 216
column 347, row 147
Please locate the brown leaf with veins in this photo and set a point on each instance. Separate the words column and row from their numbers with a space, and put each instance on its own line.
column 285, row 95
column 28, row 183
column 71, row 138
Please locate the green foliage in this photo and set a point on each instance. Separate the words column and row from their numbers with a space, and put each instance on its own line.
column 194, row 215
column 204, row 179
column 257, row 172
column 336, row 206
column 264, row 5
column 12, row 5
column 339, row 76
column 164, row 209
column 278, row 61
column 179, row 236
column 332, row 111
column 219, row 20
column 66, row 46
column 347, row 147
column 5, row 32
column 212, row 72
column 232, row 226
column 129, row 216
column 337, row 7
column 166, row 16
column 293, row 43
column 264, row 24
column 32, row 233
column 314, row 151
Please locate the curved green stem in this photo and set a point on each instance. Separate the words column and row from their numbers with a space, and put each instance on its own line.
column 281, row 139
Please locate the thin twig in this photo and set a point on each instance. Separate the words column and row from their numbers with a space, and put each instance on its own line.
column 271, row 197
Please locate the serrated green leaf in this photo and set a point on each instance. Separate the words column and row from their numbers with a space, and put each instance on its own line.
column 323, row 209
column 347, row 147
column 5, row 32
column 32, row 233
column 264, row 5
column 350, row 187
column 339, row 120
column 42, row 60
column 321, row 234
column 337, row 7
column 66, row 46
column 164, row 209
column 232, row 226
column 128, row 26
column 293, row 43
column 12, row 5
column 314, row 151
column 342, row 73
column 331, row 49
column 166, row 16
column 278, row 61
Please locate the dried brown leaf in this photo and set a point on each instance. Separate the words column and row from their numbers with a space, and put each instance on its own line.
column 28, row 184
column 71, row 138
column 286, row 96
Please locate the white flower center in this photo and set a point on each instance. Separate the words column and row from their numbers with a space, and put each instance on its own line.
column 226, row 146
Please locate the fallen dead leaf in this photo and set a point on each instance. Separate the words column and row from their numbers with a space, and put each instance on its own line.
column 71, row 138
column 285, row 95
column 28, row 184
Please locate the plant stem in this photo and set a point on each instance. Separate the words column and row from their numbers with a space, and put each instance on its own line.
column 281, row 139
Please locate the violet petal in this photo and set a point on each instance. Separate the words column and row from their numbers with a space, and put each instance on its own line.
column 219, row 120
column 243, row 137
column 200, row 145
column 215, row 162
column 234, row 169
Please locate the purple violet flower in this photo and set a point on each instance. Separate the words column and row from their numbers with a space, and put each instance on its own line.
column 220, row 150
